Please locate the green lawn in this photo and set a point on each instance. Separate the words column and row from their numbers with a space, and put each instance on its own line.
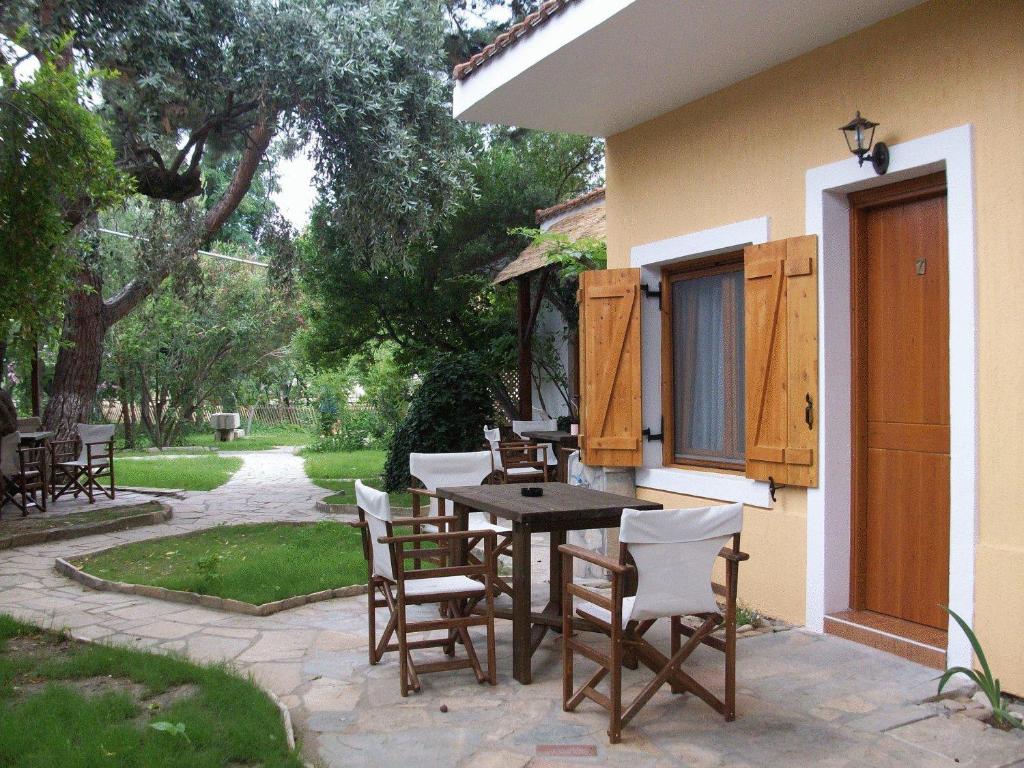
column 11, row 524
column 194, row 473
column 338, row 471
column 64, row 703
column 253, row 563
column 261, row 439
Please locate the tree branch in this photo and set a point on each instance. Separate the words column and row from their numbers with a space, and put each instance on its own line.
column 137, row 289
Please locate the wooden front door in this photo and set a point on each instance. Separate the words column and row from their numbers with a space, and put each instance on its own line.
column 901, row 400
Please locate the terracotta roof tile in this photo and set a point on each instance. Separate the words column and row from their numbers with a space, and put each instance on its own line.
column 510, row 37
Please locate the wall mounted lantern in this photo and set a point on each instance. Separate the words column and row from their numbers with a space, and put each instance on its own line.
column 859, row 134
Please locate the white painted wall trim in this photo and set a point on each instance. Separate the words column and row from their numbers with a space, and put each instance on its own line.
column 719, row 486
column 828, row 506
column 652, row 258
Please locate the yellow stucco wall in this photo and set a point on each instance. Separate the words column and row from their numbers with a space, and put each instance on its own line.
column 743, row 153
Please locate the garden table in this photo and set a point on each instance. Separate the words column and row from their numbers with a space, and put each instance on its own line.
column 562, row 508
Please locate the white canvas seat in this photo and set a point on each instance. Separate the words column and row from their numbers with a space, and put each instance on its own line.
column 394, row 586
column 526, row 463
column 672, row 554
column 445, row 585
column 94, row 461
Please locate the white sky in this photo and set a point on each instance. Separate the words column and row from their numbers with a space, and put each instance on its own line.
column 295, row 176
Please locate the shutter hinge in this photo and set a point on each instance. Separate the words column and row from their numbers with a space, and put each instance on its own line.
column 773, row 487
column 652, row 293
column 646, row 432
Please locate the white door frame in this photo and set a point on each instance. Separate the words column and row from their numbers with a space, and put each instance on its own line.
column 828, row 505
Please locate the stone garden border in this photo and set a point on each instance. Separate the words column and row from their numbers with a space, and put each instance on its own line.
column 28, row 538
column 73, row 572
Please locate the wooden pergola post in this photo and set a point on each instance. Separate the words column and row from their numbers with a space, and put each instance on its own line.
column 525, row 349
column 35, row 381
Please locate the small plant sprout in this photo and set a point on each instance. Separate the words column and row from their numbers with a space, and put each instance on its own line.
column 175, row 729
column 986, row 683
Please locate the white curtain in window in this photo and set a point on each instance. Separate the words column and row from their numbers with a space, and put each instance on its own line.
column 708, row 366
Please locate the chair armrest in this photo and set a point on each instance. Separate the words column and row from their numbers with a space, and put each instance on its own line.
column 356, row 524
column 439, row 536
column 423, row 492
column 592, row 557
column 732, row 555
column 442, row 519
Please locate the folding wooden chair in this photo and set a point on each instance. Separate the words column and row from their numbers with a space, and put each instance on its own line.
column 393, row 586
column 82, row 473
column 517, row 461
column 22, row 474
column 439, row 470
column 673, row 553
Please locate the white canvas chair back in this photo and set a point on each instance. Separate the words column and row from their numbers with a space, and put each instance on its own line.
column 493, row 438
column 93, row 433
column 438, row 470
column 675, row 552
column 377, row 507
column 9, row 465
column 539, row 425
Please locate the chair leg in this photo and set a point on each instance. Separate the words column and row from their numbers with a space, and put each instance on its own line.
column 676, row 643
column 371, row 619
column 403, row 651
column 615, row 688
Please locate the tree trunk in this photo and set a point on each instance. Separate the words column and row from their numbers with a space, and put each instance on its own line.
column 77, row 371
column 126, row 414
column 87, row 316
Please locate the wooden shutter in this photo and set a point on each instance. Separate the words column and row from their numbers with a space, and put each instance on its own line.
column 610, row 363
column 781, row 318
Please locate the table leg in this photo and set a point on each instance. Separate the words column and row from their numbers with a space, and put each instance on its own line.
column 555, row 579
column 521, row 669
column 459, row 551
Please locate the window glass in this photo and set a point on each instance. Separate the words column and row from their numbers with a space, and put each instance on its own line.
column 707, row 366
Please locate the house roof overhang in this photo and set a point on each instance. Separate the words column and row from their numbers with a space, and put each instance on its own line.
column 599, row 67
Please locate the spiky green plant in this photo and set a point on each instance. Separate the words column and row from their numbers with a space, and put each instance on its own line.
column 988, row 684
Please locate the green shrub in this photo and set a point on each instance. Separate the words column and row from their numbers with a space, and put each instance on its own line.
column 447, row 413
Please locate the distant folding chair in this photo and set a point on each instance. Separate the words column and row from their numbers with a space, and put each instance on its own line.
column 23, row 471
column 30, row 424
column 439, row 470
column 393, row 586
column 538, row 425
column 517, row 461
column 94, row 461
column 673, row 552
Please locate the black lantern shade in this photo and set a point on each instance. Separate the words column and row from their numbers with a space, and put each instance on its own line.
column 860, row 135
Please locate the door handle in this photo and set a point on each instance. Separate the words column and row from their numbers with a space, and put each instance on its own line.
column 809, row 411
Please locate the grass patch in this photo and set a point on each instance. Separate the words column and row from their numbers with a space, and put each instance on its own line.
column 16, row 524
column 74, row 704
column 338, row 471
column 252, row 563
column 261, row 439
column 194, row 473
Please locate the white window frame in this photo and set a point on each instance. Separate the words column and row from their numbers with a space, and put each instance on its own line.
column 652, row 259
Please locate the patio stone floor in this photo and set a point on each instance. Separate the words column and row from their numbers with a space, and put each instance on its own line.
column 804, row 699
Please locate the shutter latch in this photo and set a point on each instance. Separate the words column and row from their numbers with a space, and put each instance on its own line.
column 652, row 293
column 773, row 487
column 658, row 437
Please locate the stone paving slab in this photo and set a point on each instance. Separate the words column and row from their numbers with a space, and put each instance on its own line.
column 803, row 699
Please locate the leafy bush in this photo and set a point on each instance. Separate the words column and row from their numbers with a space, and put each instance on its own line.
column 447, row 414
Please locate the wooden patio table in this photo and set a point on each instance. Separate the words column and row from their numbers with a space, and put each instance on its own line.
column 562, row 508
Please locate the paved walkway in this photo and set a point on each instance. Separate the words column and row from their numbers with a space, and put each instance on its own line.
column 803, row 699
